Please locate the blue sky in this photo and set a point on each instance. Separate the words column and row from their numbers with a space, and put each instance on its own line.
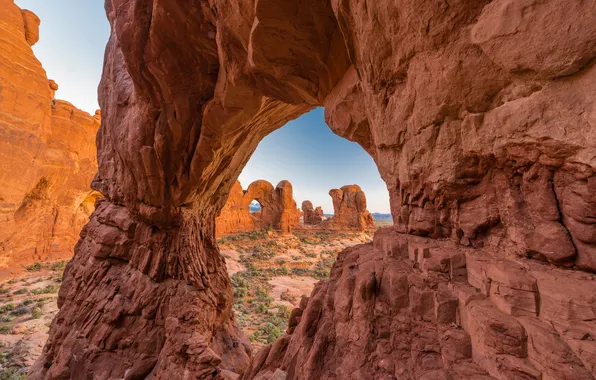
column 315, row 160
column 73, row 34
column 72, row 39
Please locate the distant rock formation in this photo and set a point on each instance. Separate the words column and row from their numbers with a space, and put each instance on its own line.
column 235, row 215
column 47, row 153
column 349, row 209
column 278, row 208
column 312, row 216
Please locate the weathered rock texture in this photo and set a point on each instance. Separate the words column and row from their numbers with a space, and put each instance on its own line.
column 278, row 208
column 349, row 209
column 480, row 117
column 312, row 216
column 47, row 153
column 406, row 307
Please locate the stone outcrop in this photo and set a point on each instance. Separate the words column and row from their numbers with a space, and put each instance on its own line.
column 406, row 307
column 235, row 215
column 349, row 209
column 278, row 208
column 47, row 153
column 479, row 116
column 312, row 216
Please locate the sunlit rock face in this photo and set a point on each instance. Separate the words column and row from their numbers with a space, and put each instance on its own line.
column 349, row 209
column 278, row 208
column 47, row 153
column 479, row 116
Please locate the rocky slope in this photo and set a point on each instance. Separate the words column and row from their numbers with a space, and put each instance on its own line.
column 479, row 116
column 47, row 153
column 407, row 307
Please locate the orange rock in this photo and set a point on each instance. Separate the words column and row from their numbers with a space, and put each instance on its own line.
column 235, row 215
column 479, row 116
column 349, row 209
column 312, row 215
column 278, row 208
column 47, row 153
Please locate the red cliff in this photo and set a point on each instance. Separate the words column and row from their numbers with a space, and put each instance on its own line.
column 47, row 153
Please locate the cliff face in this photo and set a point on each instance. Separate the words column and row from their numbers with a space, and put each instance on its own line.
column 479, row 116
column 47, row 153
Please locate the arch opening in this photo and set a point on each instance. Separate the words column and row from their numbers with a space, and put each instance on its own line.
column 448, row 115
column 272, row 269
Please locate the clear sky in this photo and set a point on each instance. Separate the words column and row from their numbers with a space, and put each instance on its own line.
column 72, row 39
column 73, row 34
column 315, row 160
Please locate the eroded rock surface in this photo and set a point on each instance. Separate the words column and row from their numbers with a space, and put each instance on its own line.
column 479, row 116
column 278, row 208
column 406, row 307
column 47, row 153
column 349, row 209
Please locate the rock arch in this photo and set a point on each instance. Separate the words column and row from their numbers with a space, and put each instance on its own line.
column 278, row 208
column 485, row 148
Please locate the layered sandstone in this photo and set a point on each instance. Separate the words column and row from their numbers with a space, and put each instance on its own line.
column 479, row 117
column 312, row 216
column 278, row 208
column 47, row 153
column 349, row 209
column 406, row 307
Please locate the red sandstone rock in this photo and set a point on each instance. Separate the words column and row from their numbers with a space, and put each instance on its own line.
column 479, row 116
column 278, row 208
column 47, row 153
column 349, row 208
column 312, row 215
column 235, row 215
column 426, row 325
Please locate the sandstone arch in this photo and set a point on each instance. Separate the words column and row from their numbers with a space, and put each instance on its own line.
column 480, row 142
column 278, row 208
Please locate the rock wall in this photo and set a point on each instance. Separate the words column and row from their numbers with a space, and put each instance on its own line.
column 479, row 116
column 407, row 307
column 47, row 153
column 278, row 208
column 349, row 209
column 312, row 216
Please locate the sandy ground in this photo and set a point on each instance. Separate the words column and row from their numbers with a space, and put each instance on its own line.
column 27, row 307
column 23, row 330
column 294, row 287
column 233, row 266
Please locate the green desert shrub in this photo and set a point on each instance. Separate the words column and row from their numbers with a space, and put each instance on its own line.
column 21, row 310
column 47, row 290
column 7, row 307
column 35, row 267
column 12, row 373
column 36, row 313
